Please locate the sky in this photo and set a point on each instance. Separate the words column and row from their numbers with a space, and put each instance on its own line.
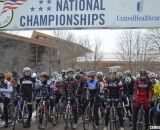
column 108, row 37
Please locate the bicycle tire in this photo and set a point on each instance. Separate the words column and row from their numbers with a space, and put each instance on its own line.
column 25, row 114
column 14, row 120
column 87, row 118
column 71, row 118
column 66, row 118
column 140, row 120
column 11, row 110
column 54, row 116
column 152, row 123
column 112, row 120
column 93, row 120
column 41, row 114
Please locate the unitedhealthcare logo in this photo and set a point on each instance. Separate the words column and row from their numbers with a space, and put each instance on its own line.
column 140, row 6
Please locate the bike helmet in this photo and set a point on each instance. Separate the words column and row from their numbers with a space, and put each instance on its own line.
column 1, row 76
column 8, row 74
column 34, row 75
column 127, row 72
column 119, row 75
column 78, row 76
column 113, row 70
column 99, row 74
column 14, row 74
column 143, row 73
column 91, row 74
column 70, row 70
column 26, row 69
column 59, row 80
column 45, row 75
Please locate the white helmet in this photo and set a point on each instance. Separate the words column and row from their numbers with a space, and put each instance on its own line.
column 55, row 73
column 26, row 69
column 99, row 74
column 119, row 75
column 34, row 75
column 70, row 70
column 127, row 72
column 113, row 70
column 59, row 79
column 138, row 76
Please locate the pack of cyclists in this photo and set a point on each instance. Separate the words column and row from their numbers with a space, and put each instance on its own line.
column 98, row 88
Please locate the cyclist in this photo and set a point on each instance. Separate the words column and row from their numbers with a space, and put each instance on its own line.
column 94, row 91
column 129, row 84
column 26, row 89
column 102, row 83
column 43, row 89
column 58, row 89
column 142, row 93
column 63, row 74
column 5, row 94
column 8, row 76
column 156, row 92
column 113, row 89
column 157, row 113
column 15, row 79
column 81, row 93
column 69, row 88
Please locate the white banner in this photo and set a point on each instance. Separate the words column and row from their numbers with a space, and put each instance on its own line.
column 78, row 14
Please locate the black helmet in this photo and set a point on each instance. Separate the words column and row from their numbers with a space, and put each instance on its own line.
column 14, row 74
column 1, row 76
column 78, row 76
column 143, row 73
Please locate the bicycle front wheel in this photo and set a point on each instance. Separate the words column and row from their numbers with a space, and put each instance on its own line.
column 87, row 119
column 41, row 117
column 54, row 116
column 140, row 120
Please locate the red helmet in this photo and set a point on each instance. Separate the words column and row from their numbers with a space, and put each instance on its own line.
column 45, row 75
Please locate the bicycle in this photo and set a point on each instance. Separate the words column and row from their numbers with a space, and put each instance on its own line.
column 89, row 117
column 53, row 113
column 140, row 122
column 21, row 111
column 10, row 109
column 68, row 116
column 44, row 113
column 113, row 120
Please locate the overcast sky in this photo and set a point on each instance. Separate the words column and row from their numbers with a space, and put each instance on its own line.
column 108, row 37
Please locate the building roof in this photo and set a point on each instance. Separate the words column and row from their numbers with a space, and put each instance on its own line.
column 28, row 40
column 60, row 42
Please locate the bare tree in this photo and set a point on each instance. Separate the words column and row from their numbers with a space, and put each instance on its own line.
column 91, row 59
column 134, row 47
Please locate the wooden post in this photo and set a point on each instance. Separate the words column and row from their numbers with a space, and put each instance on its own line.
column 36, row 57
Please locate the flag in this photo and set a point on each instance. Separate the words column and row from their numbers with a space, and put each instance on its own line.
column 12, row 4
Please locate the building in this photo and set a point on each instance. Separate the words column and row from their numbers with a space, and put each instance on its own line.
column 41, row 52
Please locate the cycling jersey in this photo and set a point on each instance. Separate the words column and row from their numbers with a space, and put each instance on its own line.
column 143, row 90
column 156, row 90
column 44, row 90
column 70, row 85
column 5, row 89
column 94, row 88
column 113, row 88
column 92, row 84
column 27, row 84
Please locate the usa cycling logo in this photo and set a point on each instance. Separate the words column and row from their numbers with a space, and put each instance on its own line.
column 140, row 6
column 5, row 18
